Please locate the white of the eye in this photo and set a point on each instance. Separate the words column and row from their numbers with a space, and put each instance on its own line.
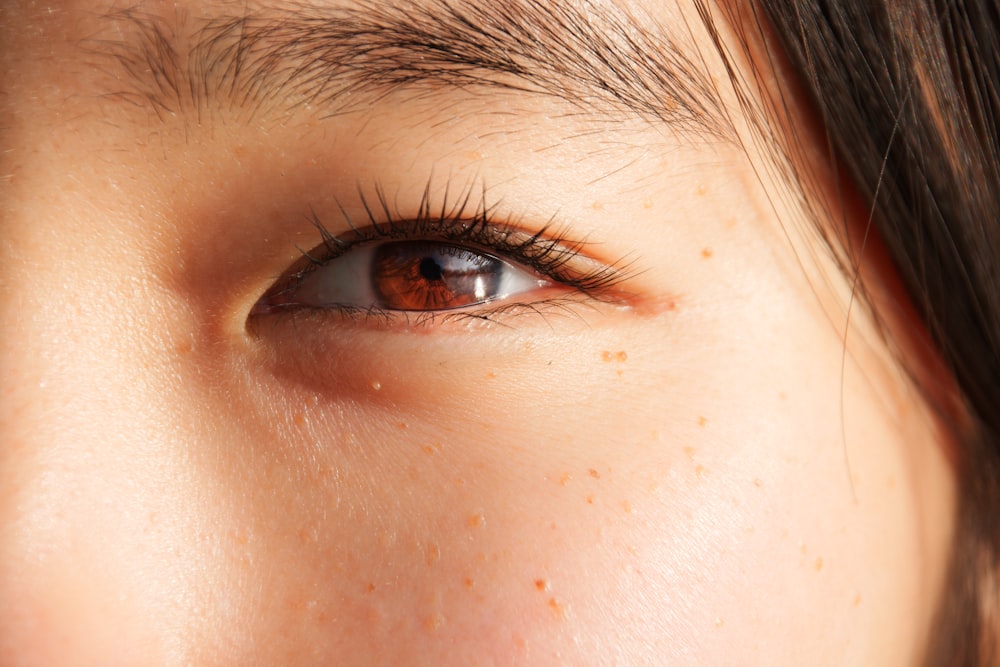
column 346, row 281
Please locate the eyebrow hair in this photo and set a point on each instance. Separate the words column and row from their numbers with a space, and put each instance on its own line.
column 590, row 55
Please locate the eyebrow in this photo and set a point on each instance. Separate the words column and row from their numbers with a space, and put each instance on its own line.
column 594, row 56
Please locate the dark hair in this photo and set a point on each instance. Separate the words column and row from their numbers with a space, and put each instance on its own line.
column 908, row 95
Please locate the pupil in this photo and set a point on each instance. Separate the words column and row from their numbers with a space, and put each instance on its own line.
column 429, row 269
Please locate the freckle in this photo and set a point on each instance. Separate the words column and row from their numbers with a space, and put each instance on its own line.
column 474, row 155
column 802, row 547
column 402, row 426
column 376, row 385
column 460, row 481
column 857, row 600
column 590, row 500
column 185, row 347
column 783, row 396
column 621, row 357
column 476, row 520
column 371, row 588
column 239, row 151
column 647, row 204
column 433, row 554
column 597, row 206
column 719, row 622
column 758, row 482
column 300, row 419
column 541, row 584
column 429, row 449
column 606, row 356
column 491, row 375
column 627, row 506
column 891, row 483
column 468, row 582
column 706, row 253
column 593, row 473
column 565, row 479
column 620, row 373
column 701, row 190
column 689, row 452
column 700, row 470
column 702, row 421
column 433, row 622
column 731, row 223
column 818, row 564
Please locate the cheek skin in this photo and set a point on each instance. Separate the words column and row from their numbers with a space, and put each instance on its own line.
column 506, row 519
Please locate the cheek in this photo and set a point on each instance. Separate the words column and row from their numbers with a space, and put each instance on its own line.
column 452, row 505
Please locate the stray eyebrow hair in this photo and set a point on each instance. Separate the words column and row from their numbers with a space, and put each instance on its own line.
column 593, row 56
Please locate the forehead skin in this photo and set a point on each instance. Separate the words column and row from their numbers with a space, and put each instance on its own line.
column 715, row 464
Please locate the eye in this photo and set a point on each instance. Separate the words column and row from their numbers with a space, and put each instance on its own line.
column 418, row 275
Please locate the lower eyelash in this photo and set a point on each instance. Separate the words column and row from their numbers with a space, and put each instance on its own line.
column 504, row 315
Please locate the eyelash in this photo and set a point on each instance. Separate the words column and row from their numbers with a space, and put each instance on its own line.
column 469, row 222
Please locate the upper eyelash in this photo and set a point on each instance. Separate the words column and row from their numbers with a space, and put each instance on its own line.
column 549, row 251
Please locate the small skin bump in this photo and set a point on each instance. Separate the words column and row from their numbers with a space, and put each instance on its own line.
column 376, row 385
column 565, row 479
column 491, row 375
column 476, row 520
column 593, row 473
column 689, row 452
column 700, row 471
column 818, row 565
column 706, row 253
column 702, row 422
column 590, row 500
column 758, row 482
column 433, row 622
column 556, row 607
column 647, row 204
column 541, row 584
column 701, row 190
column 370, row 588
column 627, row 506
column 607, row 356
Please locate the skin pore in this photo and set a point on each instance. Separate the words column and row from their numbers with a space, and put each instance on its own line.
column 705, row 457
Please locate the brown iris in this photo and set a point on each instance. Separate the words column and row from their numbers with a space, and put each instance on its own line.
column 416, row 275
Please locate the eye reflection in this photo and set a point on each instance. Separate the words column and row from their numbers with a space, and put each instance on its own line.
column 434, row 276
column 419, row 276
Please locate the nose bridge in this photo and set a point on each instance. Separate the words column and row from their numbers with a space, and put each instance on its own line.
column 93, row 487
